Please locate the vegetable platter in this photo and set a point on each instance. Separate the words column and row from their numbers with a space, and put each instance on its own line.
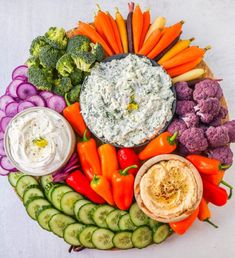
column 159, row 104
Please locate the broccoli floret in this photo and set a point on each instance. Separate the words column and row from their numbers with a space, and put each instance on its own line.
column 223, row 154
column 183, row 92
column 184, row 106
column 49, row 56
column 56, row 37
column 33, row 61
column 74, row 94
column 62, row 86
column 83, row 60
column 36, row 46
column 41, row 78
column 78, row 43
column 76, row 76
column 217, row 136
column 65, row 65
column 98, row 51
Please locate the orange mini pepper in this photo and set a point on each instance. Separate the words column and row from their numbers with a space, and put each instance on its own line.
column 205, row 213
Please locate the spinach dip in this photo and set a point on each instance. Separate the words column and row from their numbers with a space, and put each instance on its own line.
column 128, row 101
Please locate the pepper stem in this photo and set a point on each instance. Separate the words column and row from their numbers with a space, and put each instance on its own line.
column 173, row 138
column 124, row 172
column 66, row 100
column 211, row 223
column 230, row 188
column 85, row 139
column 95, row 179
column 224, row 167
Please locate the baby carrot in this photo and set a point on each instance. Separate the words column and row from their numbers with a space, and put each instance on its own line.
column 168, row 37
column 129, row 27
column 146, row 24
column 179, row 46
column 189, row 76
column 98, row 26
column 137, row 26
column 150, row 42
column 159, row 23
column 73, row 32
column 122, row 30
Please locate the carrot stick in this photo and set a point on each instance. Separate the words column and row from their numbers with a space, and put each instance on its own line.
column 189, row 76
column 146, row 24
column 179, row 46
column 137, row 26
column 129, row 27
column 159, row 23
column 178, row 70
column 168, row 37
column 187, row 55
column 116, row 33
column 151, row 42
column 94, row 36
column 98, row 26
column 73, row 32
column 122, row 30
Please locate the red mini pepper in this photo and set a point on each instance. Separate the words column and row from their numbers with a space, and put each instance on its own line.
column 89, row 158
column 123, row 188
column 78, row 181
column 128, row 157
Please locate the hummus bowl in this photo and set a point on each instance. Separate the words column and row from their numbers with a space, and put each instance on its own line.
column 168, row 188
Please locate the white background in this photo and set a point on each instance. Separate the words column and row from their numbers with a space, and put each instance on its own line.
column 211, row 22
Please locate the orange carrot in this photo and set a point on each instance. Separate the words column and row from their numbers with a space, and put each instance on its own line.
column 73, row 32
column 187, row 55
column 150, row 42
column 175, row 71
column 137, row 26
column 146, row 24
column 122, row 30
column 98, row 26
column 94, row 36
column 169, row 35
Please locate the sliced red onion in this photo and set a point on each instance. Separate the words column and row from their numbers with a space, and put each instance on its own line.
column 4, row 123
column 4, row 172
column 37, row 101
column 24, row 105
column 71, row 169
column 21, row 78
column 2, row 114
column 46, row 95
column 6, row 164
column 13, row 87
column 4, row 100
column 20, row 71
column 25, row 90
column 2, row 150
column 57, row 103
column 1, row 135
column 11, row 109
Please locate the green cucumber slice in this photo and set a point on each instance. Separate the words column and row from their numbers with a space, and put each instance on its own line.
column 154, row 224
column 32, row 192
column 125, row 223
column 67, row 202
column 45, row 180
column 85, row 236
column 112, row 219
column 103, row 239
column 161, row 233
column 57, row 193
column 13, row 177
column 71, row 233
column 34, row 206
column 142, row 237
column 137, row 216
column 49, row 189
column 100, row 215
column 44, row 217
column 23, row 183
column 59, row 222
column 122, row 240
column 86, row 212
column 78, row 204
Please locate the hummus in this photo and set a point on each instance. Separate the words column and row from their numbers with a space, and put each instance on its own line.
column 38, row 141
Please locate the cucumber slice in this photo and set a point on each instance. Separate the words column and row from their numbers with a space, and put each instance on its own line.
column 45, row 180
column 72, row 232
column 101, row 214
column 154, row 224
column 34, row 206
column 86, row 235
column 78, row 204
column 49, row 189
column 125, row 223
column 86, row 212
column 67, row 202
column 122, row 240
column 57, row 193
column 44, row 217
column 23, row 183
column 14, row 177
column 137, row 216
column 112, row 219
column 161, row 234
column 59, row 222
column 142, row 237
column 103, row 239
column 31, row 192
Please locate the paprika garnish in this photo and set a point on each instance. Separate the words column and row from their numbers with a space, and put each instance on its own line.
column 89, row 158
column 165, row 143
column 123, row 188
column 205, row 213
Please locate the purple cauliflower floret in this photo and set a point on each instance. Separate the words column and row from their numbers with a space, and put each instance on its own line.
column 183, row 92
column 207, row 109
column 184, row 106
column 194, row 140
column 207, row 89
column 182, row 150
column 204, row 127
column 191, row 120
column 177, row 125
column 231, row 130
column 223, row 154
column 218, row 119
column 217, row 136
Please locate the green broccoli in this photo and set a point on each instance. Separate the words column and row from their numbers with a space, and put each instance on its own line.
column 33, row 61
column 83, row 60
column 49, row 56
column 41, row 78
column 78, row 43
column 65, row 65
column 56, row 37
column 73, row 95
column 62, row 86
column 36, row 46
column 98, row 51
column 76, row 76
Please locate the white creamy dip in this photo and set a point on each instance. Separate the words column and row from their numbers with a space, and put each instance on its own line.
column 39, row 141
column 127, row 101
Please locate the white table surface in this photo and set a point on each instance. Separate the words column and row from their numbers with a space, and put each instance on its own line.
column 211, row 22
